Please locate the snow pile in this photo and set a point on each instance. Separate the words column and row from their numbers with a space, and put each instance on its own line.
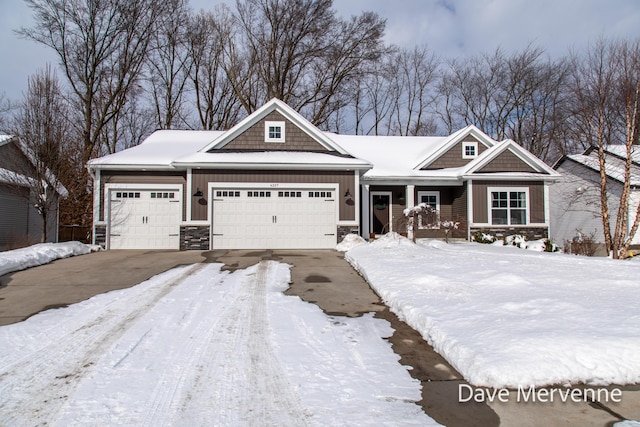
column 42, row 253
column 200, row 347
column 507, row 318
column 350, row 241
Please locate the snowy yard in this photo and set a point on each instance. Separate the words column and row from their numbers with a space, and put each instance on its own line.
column 507, row 317
column 42, row 253
column 198, row 346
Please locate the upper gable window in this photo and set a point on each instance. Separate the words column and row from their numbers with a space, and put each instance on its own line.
column 274, row 132
column 469, row 150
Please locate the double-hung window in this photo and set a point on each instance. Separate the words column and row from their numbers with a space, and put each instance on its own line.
column 509, row 206
column 431, row 199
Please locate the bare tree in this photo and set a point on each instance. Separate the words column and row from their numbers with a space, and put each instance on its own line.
column 521, row 96
column 606, row 90
column 102, row 46
column 5, row 108
column 209, row 37
column 299, row 52
column 41, row 126
column 169, row 65
column 414, row 86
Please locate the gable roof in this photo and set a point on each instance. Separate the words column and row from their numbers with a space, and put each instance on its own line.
column 451, row 141
column 158, row 150
column 508, row 145
column 615, row 157
column 22, row 173
column 392, row 158
column 287, row 112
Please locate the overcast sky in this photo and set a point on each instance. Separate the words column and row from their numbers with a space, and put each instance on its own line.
column 450, row 28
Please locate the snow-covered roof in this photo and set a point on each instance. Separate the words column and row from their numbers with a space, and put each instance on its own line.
column 614, row 166
column 160, row 149
column 621, row 150
column 392, row 156
column 267, row 159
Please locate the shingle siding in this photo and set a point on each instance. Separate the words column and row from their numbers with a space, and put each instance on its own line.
column 453, row 157
column 254, row 138
column 507, row 162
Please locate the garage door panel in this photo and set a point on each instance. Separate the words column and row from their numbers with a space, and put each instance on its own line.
column 266, row 219
column 144, row 219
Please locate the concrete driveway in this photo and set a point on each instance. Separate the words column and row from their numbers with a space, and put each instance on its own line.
column 321, row 277
column 70, row 280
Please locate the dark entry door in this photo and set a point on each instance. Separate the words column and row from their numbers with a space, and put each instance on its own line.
column 381, row 205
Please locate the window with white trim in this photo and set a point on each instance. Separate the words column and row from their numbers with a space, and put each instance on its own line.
column 509, row 206
column 273, row 131
column 432, row 199
column 469, row 150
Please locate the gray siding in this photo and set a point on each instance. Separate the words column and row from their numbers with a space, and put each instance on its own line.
column 14, row 216
column 295, row 138
column 453, row 157
column 346, row 180
column 140, row 177
column 575, row 202
column 480, row 199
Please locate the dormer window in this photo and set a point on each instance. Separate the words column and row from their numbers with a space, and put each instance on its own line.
column 274, row 132
column 469, row 150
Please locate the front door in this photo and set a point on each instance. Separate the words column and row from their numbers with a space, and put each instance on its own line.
column 380, row 213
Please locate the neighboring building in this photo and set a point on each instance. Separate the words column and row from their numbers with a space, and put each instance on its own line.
column 276, row 181
column 20, row 222
column 576, row 208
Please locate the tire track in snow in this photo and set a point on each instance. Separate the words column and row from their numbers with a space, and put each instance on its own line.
column 48, row 375
column 230, row 374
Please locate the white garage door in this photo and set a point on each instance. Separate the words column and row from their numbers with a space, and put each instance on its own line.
column 145, row 219
column 283, row 218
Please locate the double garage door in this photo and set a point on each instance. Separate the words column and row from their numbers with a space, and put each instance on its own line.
column 242, row 218
column 274, row 218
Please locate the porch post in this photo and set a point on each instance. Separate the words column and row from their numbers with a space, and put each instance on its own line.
column 187, row 193
column 366, row 211
column 410, row 196
column 469, row 208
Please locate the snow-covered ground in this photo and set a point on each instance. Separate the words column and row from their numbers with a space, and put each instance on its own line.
column 200, row 347
column 506, row 317
column 42, row 253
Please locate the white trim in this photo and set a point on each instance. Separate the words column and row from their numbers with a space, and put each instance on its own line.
column 410, row 191
column 269, row 124
column 466, row 144
column 547, row 209
column 380, row 193
column 96, row 203
column 177, row 188
column 288, row 113
column 188, row 194
column 510, row 189
column 454, row 139
column 365, row 228
column 469, row 208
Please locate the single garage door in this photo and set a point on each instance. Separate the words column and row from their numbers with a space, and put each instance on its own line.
column 145, row 219
column 283, row 218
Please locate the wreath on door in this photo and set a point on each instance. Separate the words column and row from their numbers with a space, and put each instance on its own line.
column 381, row 204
